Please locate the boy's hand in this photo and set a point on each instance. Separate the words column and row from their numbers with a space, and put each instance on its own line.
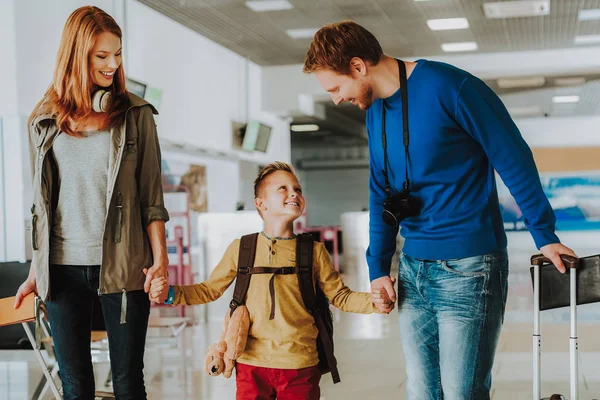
column 158, row 269
column 159, row 289
column 383, row 294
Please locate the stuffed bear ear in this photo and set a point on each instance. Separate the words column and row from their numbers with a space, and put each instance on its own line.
column 237, row 332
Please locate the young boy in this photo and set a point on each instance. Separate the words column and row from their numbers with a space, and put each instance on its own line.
column 280, row 358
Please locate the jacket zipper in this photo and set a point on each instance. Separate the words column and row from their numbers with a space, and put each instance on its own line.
column 119, row 217
column 119, row 156
column 33, row 230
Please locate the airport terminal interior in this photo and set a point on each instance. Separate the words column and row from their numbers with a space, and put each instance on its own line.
column 226, row 79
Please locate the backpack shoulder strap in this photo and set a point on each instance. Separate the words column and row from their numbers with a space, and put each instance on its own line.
column 246, row 257
column 304, row 263
column 317, row 308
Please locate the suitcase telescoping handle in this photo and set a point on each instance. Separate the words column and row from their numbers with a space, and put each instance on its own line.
column 571, row 263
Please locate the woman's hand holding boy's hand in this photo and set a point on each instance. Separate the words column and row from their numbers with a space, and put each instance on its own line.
column 159, row 289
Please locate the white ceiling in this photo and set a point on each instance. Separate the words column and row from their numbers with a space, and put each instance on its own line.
column 400, row 25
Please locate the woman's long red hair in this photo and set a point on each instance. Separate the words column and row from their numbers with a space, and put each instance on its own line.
column 69, row 97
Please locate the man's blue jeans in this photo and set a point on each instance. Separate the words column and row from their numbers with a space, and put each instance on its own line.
column 73, row 289
column 451, row 312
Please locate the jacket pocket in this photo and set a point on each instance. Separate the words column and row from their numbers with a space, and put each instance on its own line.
column 119, row 218
column 33, row 228
column 130, row 151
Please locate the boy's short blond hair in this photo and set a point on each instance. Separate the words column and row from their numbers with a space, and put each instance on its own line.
column 268, row 170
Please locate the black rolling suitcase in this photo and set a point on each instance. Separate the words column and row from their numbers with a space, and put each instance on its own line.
column 551, row 289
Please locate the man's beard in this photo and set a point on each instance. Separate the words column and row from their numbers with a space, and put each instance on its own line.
column 365, row 100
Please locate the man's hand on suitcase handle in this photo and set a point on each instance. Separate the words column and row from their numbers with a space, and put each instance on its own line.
column 553, row 252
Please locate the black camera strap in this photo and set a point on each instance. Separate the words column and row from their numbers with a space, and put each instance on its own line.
column 404, row 93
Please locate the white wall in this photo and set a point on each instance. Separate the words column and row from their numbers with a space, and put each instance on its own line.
column 8, row 100
column 332, row 192
column 8, row 66
column 296, row 84
column 561, row 131
column 248, row 172
column 16, row 178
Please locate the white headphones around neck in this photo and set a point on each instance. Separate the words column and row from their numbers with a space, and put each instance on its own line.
column 100, row 100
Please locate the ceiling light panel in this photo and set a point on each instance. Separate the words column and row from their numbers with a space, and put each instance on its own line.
column 589, row 14
column 574, row 81
column 510, row 83
column 269, row 5
column 565, row 99
column 515, row 9
column 460, row 46
column 447, row 24
column 525, row 111
column 587, row 39
column 304, row 33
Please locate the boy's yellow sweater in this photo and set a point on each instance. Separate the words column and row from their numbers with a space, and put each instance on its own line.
column 288, row 341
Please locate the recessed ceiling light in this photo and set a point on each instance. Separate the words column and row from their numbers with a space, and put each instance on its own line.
column 575, row 81
column 587, row 39
column 525, row 111
column 305, row 33
column 269, row 5
column 565, row 99
column 447, row 24
column 460, row 46
column 589, row 14
column 509, row 83
column 514, row 9
column 304, row 128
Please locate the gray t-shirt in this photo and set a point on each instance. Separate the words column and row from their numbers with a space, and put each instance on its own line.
column 78, row 222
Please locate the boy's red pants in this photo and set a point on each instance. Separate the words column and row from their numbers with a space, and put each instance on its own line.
column 258, row 383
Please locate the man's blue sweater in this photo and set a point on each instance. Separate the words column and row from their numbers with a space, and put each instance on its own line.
column 460, row 132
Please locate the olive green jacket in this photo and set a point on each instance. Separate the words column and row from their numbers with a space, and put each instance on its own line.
column 134, row 198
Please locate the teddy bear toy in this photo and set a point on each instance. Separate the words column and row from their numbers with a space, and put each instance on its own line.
column 220, row 357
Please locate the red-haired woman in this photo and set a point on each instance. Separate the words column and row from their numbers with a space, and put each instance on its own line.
column 98, row 216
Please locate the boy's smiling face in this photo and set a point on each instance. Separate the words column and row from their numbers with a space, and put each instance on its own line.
column 280, row 196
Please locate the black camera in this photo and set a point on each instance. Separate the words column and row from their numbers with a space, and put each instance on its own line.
column 398, row 207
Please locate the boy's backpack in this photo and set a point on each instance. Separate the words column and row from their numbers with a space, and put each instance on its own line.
column 314, row 300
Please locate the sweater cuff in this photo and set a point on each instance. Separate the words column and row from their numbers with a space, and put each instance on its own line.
column 378, row 267
column 544, row 237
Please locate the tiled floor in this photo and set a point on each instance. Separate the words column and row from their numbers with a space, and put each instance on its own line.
column 368, row 351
